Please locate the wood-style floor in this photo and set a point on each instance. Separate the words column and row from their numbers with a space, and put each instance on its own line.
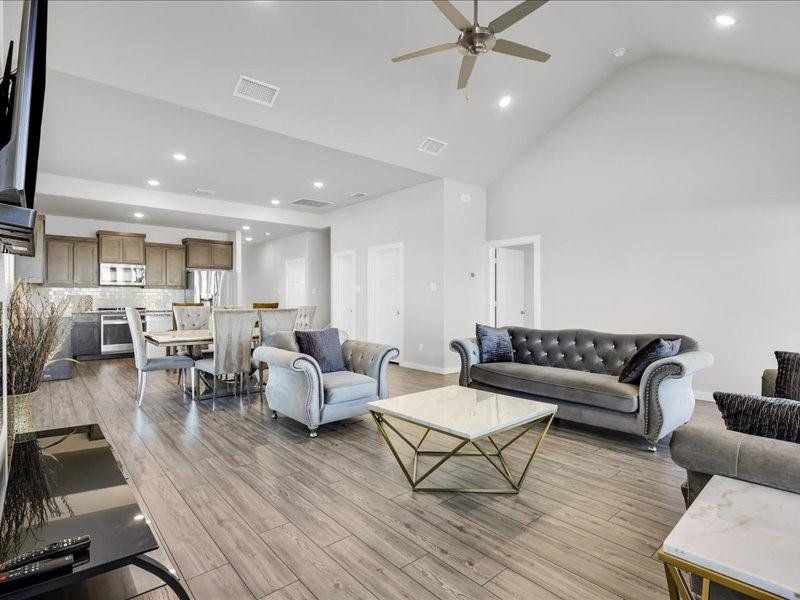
column 248, row 507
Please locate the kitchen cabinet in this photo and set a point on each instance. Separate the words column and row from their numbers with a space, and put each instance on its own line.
column 208, row 254
column 85, row 334
column 70, row 261
column 30, row 267
column 166, row 266
column 121, row 248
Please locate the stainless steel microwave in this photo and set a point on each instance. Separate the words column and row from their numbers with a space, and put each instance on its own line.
column 117, row 274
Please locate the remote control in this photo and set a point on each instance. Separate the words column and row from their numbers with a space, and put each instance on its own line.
column 66, row 546
column 34, row 572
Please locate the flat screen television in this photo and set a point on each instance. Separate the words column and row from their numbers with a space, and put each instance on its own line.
column 21, row 106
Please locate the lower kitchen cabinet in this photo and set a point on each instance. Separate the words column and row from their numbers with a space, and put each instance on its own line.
column 85, row 334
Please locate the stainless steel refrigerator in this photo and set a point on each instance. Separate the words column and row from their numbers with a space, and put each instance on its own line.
column 214, row 287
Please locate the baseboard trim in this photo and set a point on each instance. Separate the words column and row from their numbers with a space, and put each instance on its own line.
column 429, row 368
column 704, row 396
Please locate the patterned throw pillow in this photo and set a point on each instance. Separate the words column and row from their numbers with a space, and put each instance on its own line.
column 787, row 384
column 777, row 418
column 324, row 347
column 494, row 344
column 659, row 348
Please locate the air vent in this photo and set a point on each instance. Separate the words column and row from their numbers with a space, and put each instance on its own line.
column 432, row 146
column 257, row 91
column 358, row 196
column 309, row 203
column 204, row 191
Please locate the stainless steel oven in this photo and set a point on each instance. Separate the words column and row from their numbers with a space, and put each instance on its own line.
column 115, row 334
column 114, row 274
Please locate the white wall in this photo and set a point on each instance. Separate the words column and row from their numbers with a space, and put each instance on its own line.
column 264, row 269
column 668, row 202
column 58, row 225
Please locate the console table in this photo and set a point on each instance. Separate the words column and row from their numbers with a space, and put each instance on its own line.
column 737, row 535
column 94, row 499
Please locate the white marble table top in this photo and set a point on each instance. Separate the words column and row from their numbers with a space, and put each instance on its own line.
column 463, row 412
column 745, row 531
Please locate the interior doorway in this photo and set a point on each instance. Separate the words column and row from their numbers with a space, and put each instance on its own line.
column 385, row 320
column 343, row 292
column 514, row 282
column 295, row 271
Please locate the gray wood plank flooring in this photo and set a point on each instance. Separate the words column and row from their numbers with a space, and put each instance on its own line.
column 250, row 507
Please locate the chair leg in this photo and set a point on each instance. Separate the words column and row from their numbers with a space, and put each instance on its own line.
column 138, row 385
column 193, row 377
column 141, row 389
column 274, row 414
column 214, row 394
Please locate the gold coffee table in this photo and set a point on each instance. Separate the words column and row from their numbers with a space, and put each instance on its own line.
column 470, row 417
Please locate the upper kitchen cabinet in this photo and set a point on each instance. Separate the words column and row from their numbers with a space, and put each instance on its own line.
column 208, row 254
column 70, row 261
column 30, row 267
column 125, row 248
column 166, row 266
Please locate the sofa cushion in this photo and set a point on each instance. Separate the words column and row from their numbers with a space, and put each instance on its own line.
column 581, row 387
column 344, row 386
column 777, row 418
column 656, row 350
column 787, row 381
column 494, row 344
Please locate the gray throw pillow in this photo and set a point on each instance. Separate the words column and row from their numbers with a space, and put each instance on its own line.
column 637, row 364
column 777, row 418
column 324, row 346
column 787, row 384
column 494, row 344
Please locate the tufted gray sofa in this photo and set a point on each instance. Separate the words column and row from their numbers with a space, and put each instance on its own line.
column 297, row 388
column 578, row 369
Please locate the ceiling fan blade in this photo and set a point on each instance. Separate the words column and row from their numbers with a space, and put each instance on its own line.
column 467, row 63
column 520, row 11
column 431, row 50
column 453, row 14
column 515, row 49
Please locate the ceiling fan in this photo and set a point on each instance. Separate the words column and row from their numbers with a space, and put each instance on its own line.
column 475, row 39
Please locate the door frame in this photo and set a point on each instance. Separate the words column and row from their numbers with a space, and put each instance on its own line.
column 536, row 274
column 286, row 279
column 354, row 333
column 371, row 252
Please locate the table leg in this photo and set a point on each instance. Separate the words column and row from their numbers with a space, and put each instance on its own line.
column 156, row 568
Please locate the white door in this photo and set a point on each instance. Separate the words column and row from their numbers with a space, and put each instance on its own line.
column 295, row 294
column 343, row 291
column 385, row 297
column 510, row 287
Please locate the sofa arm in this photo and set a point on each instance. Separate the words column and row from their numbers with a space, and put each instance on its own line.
column 467, row 349
column 666, row 392
column 768, row 379
column 294, row 385
column 371, row 360
column 706, row 450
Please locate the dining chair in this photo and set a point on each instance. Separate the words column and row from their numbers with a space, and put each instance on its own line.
column 269, row 322
column 173, row 350
column 233, row 339
column 259, row 305
column 305, row 317
column 145, row 365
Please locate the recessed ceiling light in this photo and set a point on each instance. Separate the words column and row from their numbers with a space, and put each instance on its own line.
column 246, row 227
column 725, row 20
column 275, row 201
column 138, row 215
column 319, row 185
column 504, row 102
column 248, row 239
column 153, row 182
column 267, row 233
column 618, row 52
column 179, row 157
column 205, row 191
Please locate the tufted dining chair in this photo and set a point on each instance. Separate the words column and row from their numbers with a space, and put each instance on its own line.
column 305, row 317
column 145, row 365
column 233, row 338
column 269, row 322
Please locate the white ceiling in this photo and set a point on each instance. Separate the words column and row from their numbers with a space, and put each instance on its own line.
column 339, row 88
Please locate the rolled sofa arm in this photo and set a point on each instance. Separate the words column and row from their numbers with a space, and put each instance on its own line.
column 705, row 450
column 768, row 379
column 667, row 394
column 294, row 386
column 467, row 349
column 371, row 360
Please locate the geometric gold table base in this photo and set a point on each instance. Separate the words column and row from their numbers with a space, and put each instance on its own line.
column 679, row 588
column 496, row 452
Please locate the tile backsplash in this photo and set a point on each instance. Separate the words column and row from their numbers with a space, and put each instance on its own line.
column 104, row 297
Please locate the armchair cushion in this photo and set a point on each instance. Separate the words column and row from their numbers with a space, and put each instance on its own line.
column 787, row 382
column 344, row 386
column 324, row 346
column 777, row 418
column 637, row 364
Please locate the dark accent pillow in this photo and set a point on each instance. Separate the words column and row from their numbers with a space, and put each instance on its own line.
column 324, row 346
column 494, row 344
column 652, row 351
column 787, row 384
column 777, row 418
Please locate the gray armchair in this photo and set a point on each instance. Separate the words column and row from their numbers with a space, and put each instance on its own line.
column 297, row 388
